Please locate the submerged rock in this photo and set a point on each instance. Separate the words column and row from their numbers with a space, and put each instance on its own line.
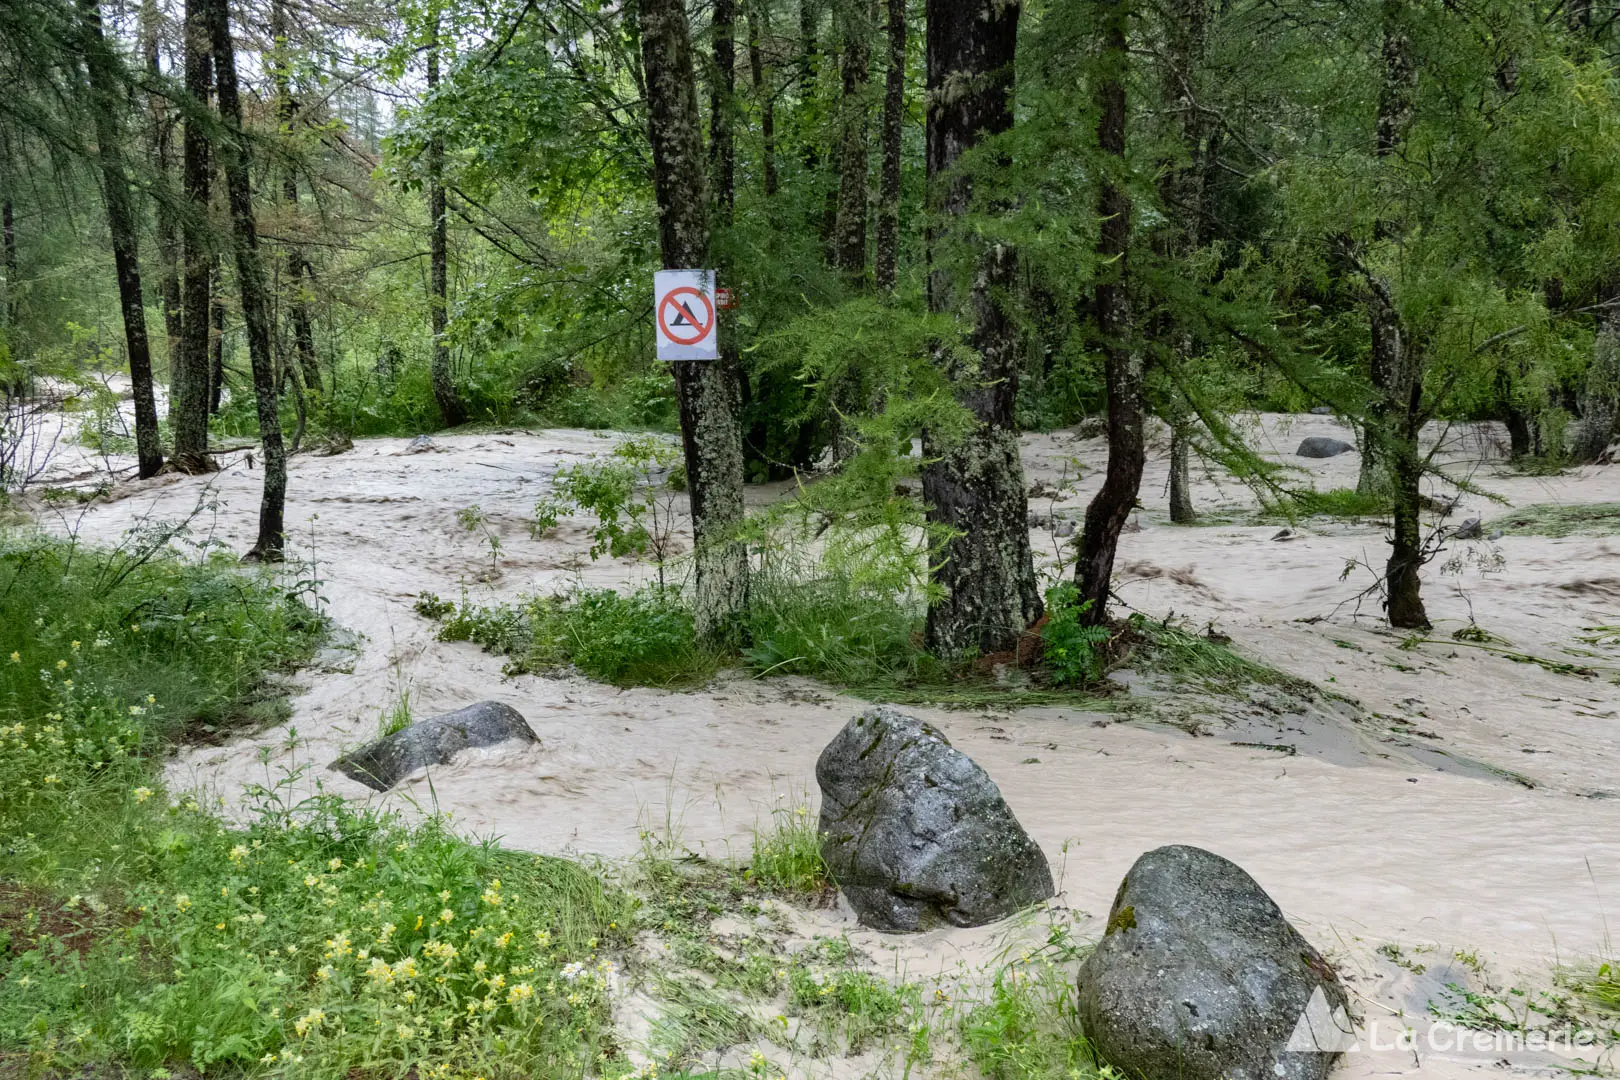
column 1320, row 446
column 1199, row 977
column 916, row 834
column 435, row 741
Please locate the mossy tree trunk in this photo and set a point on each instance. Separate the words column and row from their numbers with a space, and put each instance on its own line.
column 124, row 228
column 189, row 375
column 1122, row 358
column 451, row 408
column 233, row 154
column 298, row 275
column 975, row 487
column 708, row 392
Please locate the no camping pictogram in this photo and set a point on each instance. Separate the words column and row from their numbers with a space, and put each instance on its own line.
column 686, row 316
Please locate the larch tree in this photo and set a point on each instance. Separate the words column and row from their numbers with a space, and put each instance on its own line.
column 974, row 486
column 708, row 392
column 234, row 161
column 189, row 381
column 1123, row 365
column 848, row 246
column 101, row 65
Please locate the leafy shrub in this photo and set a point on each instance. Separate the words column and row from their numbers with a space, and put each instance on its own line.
column 647, row 637
column 1073, row 651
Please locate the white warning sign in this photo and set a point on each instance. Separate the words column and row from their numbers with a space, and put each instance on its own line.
column 684, row 311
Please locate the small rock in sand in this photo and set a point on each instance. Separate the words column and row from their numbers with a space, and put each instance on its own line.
column 1321, row 410
column 1320, row 446
column 422, row 444
column 917, row 834
column 1472, row 529
column 387, row 761
column 1199, row 977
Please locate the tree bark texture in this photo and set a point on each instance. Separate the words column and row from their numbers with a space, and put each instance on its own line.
column 125, row 231
column 722, row 102
column 189, row 374
column 975, row 488
column 886, row 260
column 233, row 153
column 849, row 227
column 168, row 229
column 1123, row 374
column 298, row 274
column 451, row 408
column 764, row 92
column 708, row 392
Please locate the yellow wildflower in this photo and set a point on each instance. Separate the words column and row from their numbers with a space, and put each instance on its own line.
column 61, row 665
column 238, row 853
column 310, row 1019
column 335, row 864
column 182, row 902
column 520, row 992
column 446, row 915
column 16, row 658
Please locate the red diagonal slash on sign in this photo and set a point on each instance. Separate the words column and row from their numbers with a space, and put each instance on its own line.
column 684, row 321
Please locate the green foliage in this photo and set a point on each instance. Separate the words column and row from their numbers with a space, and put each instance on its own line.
column 1074, row 652
column 1343, row 503
column 628, row 495
column 314, row 939
column 1559, row 520
column 786, row 859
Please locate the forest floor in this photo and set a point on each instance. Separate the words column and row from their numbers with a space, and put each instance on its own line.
column 1446, row 812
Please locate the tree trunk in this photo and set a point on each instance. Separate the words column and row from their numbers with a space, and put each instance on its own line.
column 250, row 277
column 125, row 232
column 887, row 259
column 189, row 375
column 1600, row 397
column 849, row 228
column 975, row 487
column 451, row 408
column 809, row 63
column 168, row 231
column 216, row 339
column 1181, row 504
column 1122, row 360
column 709, row 392
column 297, row 267
column 764, row 95
column 1397, row 369
column 722, row 98
column 8, row 236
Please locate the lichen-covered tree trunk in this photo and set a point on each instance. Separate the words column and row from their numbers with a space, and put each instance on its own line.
column 1181, row 504
column 708, row 392
column 759, row 25
column 8, row 240
column 1600, row 397
column 886, row 260
column 189, row 375
column 233, row 153
column 975, row 487
column 125, row 232
column 168, row 230
column 451, row 408
column 1122, row 359
column 849, row 228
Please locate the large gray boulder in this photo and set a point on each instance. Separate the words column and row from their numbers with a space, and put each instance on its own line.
column 1320, row 446
column 435, row 741
column 1199, row 977
column 916, row 834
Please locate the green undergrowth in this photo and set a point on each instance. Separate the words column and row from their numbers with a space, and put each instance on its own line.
column 1560, row 520
column 141, row 931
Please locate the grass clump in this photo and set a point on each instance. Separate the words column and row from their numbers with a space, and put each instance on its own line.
column 1342, row 503
column 140, row 931
column 787, row 858
column 1558, row 520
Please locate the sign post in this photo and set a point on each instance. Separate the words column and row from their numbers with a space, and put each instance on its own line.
column 684, row 312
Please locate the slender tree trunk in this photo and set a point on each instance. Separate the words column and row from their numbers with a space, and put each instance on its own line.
column 722, row 101
column 189, row 396
column 216, row 338
column 8, row 236
column 1396, row 368
column 849, row 228
column 125, row 231
column 1122, row 359
column 887, row 259
column 168, row 231
column 250, row 277
column 975, row 487
column 297, row 266
column 1181, row 504
column 764, row 94
column 709, row 392
column 451, row 407
column 809, row 64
